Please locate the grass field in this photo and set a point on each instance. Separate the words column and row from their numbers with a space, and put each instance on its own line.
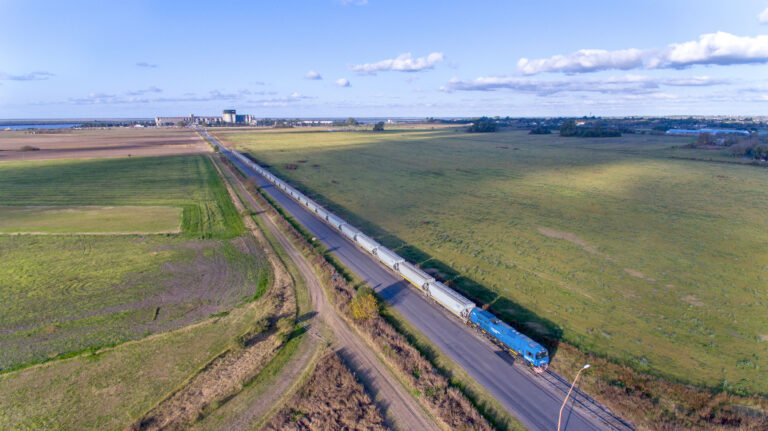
column 62, row 220
column 188, row 182
column 62, row 294
column 114, row 388
column 609, row 244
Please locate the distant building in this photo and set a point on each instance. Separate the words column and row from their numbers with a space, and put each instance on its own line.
column 229, row 116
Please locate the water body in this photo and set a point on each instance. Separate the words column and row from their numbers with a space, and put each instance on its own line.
column 39, row 126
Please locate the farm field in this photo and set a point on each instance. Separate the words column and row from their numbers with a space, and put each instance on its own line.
column 89, row 219
column 99, row 143
column 63, row 294
column 608, row 244
column 115, row 387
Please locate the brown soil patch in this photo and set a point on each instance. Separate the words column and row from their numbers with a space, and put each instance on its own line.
column 693, row 300
column 764, row 337
column 330, row 399
column 101, row 143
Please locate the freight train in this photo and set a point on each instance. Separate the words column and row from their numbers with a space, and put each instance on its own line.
column 499, row 332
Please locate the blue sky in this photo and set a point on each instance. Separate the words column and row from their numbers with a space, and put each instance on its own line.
column 383, row 58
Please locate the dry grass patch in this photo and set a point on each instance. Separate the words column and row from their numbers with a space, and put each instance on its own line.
column 330, row 399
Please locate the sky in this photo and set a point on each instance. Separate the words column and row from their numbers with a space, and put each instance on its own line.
column 383, row 58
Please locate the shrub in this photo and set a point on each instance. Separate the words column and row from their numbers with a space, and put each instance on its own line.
column 364, row 305
column 378, row 127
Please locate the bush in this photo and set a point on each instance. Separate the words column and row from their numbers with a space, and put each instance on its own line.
column 29, row 148
column 364, row 305
column 378, row 127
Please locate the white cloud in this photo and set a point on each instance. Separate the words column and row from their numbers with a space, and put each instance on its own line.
column 627, row 84
column 32, row 76
column 403, row 63
column 145, row 64
column 713, row 48
column 763, row 17
column 354, row 2
column 312, row 75
column 583, row 60
column 342, row 82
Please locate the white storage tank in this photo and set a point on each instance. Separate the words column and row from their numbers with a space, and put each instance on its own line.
column 367, row 243
column 350, row 232
column 450, row 299
column 389, row 257
column 415, row 275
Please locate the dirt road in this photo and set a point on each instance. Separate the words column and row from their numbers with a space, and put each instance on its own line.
column 399, row 406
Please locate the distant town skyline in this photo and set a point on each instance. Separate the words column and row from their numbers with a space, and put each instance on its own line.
column 373, row 58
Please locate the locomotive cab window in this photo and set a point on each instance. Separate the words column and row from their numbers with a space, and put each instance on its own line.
column 541, row 355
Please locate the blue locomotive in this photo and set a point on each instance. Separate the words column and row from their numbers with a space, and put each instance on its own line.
column 510, row 338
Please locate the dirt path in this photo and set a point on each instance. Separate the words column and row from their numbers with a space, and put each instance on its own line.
column 400, row 407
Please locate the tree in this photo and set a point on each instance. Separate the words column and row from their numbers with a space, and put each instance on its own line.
column 351, row 122
column 482, row 125
column 378, row 127
column 540, row 130
column 569, row 128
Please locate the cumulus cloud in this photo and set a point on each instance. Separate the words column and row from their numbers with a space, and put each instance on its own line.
column 353, row 2
column 719, row 48
column 403, row 63
column 312, row 75
column 584, row 60
column 145, row 64
column 714, row 48
column 342, row 82
column 763, row 17
column 628, row 84
column 32, row 76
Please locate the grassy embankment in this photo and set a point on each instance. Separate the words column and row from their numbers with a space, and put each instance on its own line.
column 606, row 244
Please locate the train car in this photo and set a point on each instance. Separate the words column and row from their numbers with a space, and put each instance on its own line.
column 312, row 205
column 335, row 221
column 367, row 243
column 511, row 339
column 388, row 257
column 450, row 299
column 350, row 232
column 416, row 276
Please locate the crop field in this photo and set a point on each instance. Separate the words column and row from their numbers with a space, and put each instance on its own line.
column 99, row 143
column 115, row 387
column 89, row 219
column 609, row 244
column 63, row 294
column 187, row 182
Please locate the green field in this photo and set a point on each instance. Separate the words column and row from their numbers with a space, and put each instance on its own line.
column 114, row 388
column 187, row 182
column 89, row 219
column 608, row 244
column 62, row 294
